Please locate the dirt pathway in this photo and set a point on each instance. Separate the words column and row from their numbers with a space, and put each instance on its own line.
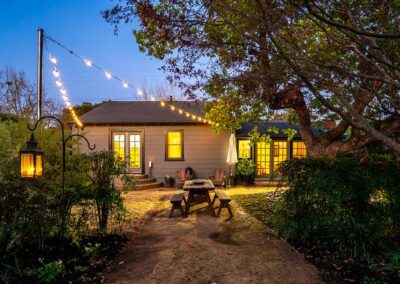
column 203, row 249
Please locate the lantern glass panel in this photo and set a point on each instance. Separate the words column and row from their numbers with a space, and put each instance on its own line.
column 39, row 165
column 27, row 165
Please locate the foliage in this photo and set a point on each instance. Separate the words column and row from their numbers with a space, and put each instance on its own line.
column 335, row 202
column 245, row 167
column 49, row 272
column 321, row 59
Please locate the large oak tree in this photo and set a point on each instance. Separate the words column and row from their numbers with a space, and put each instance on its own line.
column 322, row 59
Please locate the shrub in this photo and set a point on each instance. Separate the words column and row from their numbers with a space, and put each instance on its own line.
column 246, row 167
column 346, row 203
column 104, row 168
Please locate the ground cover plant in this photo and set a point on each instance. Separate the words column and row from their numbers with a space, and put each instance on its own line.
column 342, row 215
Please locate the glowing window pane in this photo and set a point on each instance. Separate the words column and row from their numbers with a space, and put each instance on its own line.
column 263, row 158
column 244, row 149
column 299, row 149
column 119, row 145
column 174, row 145
column 280, row 152
column 134, row 151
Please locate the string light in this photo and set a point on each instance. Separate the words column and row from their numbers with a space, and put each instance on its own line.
column 88, row 62
column 63, row 92
column 109, row 75
column 53, row 60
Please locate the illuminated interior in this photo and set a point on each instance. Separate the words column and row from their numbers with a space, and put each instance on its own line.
column 119, row 145
column 299, row 149
column 263, row 158
column 280, row 152
column 244, row 149
column 134, row 151
column 174, row 145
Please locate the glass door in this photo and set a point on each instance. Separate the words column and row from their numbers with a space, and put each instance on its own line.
column 135, row 152
column 263, row 159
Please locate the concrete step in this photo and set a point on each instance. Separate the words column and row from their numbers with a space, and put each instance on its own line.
column 148, row 186
column 145, row 180
column 140, row 176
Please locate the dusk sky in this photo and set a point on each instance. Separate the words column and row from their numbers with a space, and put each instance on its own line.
column 79, row 26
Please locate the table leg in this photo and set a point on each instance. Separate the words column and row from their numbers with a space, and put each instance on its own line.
column 189, row 202
column 210, row 206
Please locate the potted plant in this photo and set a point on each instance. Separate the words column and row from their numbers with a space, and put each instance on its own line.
column 245, row 171
column 169, row 181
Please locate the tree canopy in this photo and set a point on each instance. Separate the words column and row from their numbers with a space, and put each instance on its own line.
column 323, row 59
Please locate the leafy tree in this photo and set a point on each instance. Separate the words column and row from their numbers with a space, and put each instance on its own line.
column 324, row 60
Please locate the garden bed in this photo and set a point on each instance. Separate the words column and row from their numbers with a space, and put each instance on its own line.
column 86, row 259
column 330, row 264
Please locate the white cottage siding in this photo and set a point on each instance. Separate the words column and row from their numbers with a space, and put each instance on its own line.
column 204, row 150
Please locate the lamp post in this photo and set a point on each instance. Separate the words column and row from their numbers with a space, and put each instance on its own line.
column 31, row 163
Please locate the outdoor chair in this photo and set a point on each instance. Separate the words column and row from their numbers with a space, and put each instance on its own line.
column 181, row 176
column 219, row 178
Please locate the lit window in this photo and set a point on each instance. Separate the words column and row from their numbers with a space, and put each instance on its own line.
column 244, row 149
column 174, row 145
column 263, row 158
column 299, row 149
column 280, row 152
column 119, row 145
column 134, row 151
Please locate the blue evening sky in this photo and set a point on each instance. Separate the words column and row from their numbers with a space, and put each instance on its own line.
column 78, row 25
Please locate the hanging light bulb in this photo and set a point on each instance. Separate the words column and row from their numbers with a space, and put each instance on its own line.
column 108, row 75
column 125, row 84
column 193, row 116
column 53, row 59
column 63, row 91
column 88, row 62
column 152, row 98
column 162, row 103
column 180, row 111
column 59, row 83
column 56, row 73
column 172, row 108
column 139, row 92
column 187, row 114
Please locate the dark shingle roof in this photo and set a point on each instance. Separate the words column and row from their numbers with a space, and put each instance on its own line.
column 141, row 112
column 263, row 126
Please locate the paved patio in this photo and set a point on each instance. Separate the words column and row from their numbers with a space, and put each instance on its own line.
column 203, row 249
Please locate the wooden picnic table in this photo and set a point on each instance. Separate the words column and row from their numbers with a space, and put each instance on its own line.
column 199, row 189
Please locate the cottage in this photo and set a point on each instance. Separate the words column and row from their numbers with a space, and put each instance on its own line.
column 158, row 141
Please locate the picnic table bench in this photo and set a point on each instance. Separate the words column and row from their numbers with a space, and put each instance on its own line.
column 224, row 200
column 176, row 201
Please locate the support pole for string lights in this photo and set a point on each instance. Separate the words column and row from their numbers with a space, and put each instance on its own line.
column 40, row 74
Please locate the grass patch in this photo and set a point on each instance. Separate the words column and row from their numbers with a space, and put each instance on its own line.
column 258, row 205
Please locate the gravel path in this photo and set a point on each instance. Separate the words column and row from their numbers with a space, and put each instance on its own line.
column 203, row 249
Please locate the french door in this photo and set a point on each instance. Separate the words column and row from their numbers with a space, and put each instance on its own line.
column 129, row 146
column 269, row 156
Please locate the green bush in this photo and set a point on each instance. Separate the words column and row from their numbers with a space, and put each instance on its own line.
column 351, row 205
column 245, row 167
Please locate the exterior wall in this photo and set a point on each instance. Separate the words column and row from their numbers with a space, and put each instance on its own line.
column 204, row 150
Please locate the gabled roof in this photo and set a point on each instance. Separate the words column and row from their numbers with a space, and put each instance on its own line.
column 263, row 127
column 142, row 113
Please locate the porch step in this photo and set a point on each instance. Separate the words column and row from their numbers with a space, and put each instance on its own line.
column 140, row 176
column 148, row 185
column 145, row 180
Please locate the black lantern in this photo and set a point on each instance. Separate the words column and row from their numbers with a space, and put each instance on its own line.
column 31, row 160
